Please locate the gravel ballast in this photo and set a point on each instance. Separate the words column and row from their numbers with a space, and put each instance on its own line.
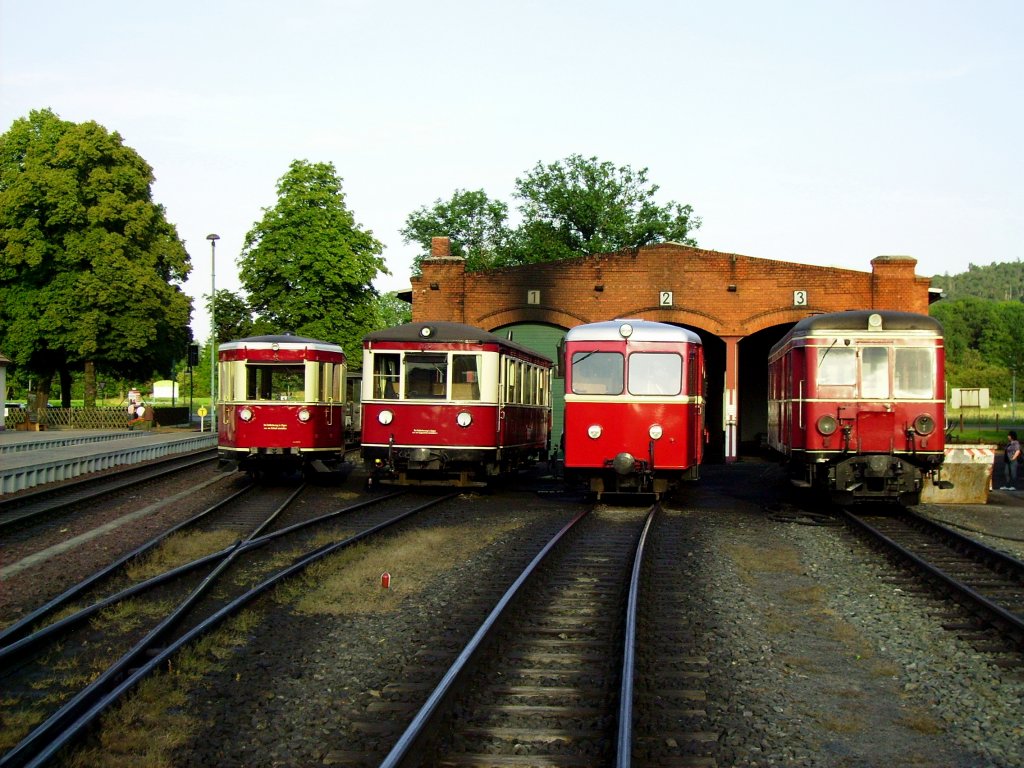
column 821, row 655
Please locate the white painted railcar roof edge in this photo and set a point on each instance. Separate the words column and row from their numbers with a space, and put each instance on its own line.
column 643, row 330
column 320, row 346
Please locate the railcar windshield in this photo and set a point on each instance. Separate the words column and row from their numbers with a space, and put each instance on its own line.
column 655, row 373
column 465, row 377
column 426, row 375
column 837, row 367
column 275, row 382
column 883, row 371
column 914, row 372
column 597, row 373
column 874, row 373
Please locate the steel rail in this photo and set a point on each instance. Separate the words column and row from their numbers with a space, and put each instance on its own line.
column 29, row 642
column 20, row 627
column 624, row 750
column 1010, row 622
column 11, row 513
column 68, row 723
column 416, row 732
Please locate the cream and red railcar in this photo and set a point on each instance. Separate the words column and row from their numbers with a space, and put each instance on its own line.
column 282, row 404
column 447, row 403
column 634, row 406
column 856, row 404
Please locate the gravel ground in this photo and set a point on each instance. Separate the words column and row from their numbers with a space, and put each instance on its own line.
column 821, row 657
column 171, row 499
column 832, row 662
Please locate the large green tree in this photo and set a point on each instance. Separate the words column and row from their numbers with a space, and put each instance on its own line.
column 571, row 208
column 580, row 206
column 307, row 267
column 89, row 265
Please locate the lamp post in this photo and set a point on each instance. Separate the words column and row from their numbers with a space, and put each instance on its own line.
column 213, row 330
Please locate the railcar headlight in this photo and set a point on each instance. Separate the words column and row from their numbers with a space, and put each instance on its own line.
column 385, row 417
column 304, row 415
column 924, row 424
column 464, row 419
column 594, row 431
column 827, row 424
column 655, row 431
column 246, row 414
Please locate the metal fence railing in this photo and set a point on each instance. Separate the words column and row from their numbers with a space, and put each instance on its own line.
column 111, row 417
column 99, row 417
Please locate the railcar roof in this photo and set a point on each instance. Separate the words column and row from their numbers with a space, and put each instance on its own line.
column 858, row 320
column 643, row 330
column 286, row 340
column 447, row 333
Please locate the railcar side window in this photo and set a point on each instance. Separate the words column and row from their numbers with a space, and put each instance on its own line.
column 655, row 373
column 465, row 377
column 874, row 372
column 914, row 373
column 597, row 373
column 385, row 376
column 275, row 382
column 426, row 375
column 837, row 366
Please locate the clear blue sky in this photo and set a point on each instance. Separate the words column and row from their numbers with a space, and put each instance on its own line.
column 816, row 132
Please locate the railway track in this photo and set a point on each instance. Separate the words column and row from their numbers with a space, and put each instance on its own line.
column 185, row 603
column 565, row 669
column 26, row 509
column 986, row 583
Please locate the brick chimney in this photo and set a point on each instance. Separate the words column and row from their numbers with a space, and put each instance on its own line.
column 440, row 247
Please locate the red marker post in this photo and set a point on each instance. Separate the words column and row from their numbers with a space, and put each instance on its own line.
column 385, row 580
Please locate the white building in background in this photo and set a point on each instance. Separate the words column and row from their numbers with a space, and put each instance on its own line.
column 165, row 390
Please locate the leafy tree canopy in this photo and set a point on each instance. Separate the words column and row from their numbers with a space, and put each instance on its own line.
column 475, row 223
column 307, row 267
column 89, row 264
column 571, row 208
column 984, row 342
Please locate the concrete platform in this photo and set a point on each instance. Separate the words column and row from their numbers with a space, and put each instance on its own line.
column 28, row 459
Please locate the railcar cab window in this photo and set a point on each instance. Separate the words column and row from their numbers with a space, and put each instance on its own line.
column 465, row 377
column 385, row 375
column 655, row 373
column 275, row 382
column 426, row 376
column 597, row 373
column 914, row 372
column 874, row 372
column 837, row 367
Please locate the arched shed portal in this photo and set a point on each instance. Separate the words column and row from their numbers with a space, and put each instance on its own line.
column 740, row 306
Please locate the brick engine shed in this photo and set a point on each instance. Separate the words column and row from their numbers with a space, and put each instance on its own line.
column 739, row 305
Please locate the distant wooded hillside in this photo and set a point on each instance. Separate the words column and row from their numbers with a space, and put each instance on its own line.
column 982, row 314
column 1000, row 282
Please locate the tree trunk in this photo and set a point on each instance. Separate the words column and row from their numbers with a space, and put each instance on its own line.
column 42, row 394
column 90, row 384
column 65, row 387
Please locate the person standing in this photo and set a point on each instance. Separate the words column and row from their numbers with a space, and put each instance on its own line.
column 1011, row 455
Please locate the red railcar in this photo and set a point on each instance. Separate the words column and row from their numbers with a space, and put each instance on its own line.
column 856, row 404
column 447, row 403
column 634, row 406
column 282, row 404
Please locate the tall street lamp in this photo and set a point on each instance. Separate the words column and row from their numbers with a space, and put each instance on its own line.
column 213, row 330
